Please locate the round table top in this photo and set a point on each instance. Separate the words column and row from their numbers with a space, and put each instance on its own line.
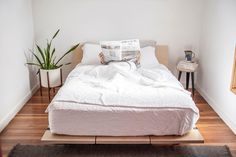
column 187, row 66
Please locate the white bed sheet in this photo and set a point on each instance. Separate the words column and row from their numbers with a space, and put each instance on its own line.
column 81, row 119
column 89, row 104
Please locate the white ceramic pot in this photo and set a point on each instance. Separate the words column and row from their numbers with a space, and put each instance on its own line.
column 54, row 77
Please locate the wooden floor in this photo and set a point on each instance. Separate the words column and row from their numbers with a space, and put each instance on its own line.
column 30, row 123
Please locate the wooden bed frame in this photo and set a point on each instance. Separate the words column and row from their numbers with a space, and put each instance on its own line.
column 194, row 136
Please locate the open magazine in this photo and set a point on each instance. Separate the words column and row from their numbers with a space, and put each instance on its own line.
column 120, row 50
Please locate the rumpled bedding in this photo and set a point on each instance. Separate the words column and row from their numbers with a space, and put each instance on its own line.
column 124, row 85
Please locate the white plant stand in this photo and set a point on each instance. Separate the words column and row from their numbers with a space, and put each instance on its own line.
column 50, row 79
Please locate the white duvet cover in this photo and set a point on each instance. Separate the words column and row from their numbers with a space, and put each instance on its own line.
column 122, row 86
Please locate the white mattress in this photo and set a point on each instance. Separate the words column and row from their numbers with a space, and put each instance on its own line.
column 80, row 119
column 116, row 100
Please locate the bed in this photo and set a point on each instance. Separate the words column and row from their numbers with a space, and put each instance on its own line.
column 115, row 101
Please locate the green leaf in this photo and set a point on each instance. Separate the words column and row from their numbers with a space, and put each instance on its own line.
column 56, row 34
column 68, row 63
column 64, row 64
column 46, row 59
column 53, row 51
column 41, row 52
column 48, row 54
column 37, row 58
column 33, row 64
column 70, row 50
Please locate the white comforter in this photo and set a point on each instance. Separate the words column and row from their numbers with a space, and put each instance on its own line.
column 124, row 85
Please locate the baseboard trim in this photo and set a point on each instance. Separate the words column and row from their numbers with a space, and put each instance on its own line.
column 6, row 120
column 214, row 105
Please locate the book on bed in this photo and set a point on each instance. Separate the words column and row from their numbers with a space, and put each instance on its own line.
column 120, row 50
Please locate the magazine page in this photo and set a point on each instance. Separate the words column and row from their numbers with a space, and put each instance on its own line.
column 120, row 50
column 111, row 50
column 130, row 49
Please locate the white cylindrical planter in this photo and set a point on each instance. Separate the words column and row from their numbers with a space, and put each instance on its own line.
column 53, row 76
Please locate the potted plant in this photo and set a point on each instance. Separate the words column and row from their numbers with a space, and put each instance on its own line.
column 49, row 65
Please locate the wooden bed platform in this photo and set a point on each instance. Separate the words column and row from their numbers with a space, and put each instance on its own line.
column 194, row 136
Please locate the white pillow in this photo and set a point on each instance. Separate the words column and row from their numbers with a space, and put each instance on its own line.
column 90, row 54
column 148, row 57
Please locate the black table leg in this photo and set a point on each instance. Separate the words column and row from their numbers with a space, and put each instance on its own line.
column 40, row 85
column 187, row 79
column 192, row 76
column 179, row 77
column 49, row 88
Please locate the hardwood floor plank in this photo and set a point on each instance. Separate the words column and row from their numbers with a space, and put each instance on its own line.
column 30, row 123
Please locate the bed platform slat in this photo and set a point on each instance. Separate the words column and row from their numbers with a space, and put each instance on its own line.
column 65, row 139
column 123, row 140
column 194, row 136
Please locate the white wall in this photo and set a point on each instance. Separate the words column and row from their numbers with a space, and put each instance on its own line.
column 216, row 58
column 171, row 22
column 16, row 36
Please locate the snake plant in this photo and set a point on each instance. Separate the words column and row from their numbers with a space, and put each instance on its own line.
column 46, row 58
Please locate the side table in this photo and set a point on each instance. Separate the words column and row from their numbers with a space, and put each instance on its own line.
column 189, row 68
